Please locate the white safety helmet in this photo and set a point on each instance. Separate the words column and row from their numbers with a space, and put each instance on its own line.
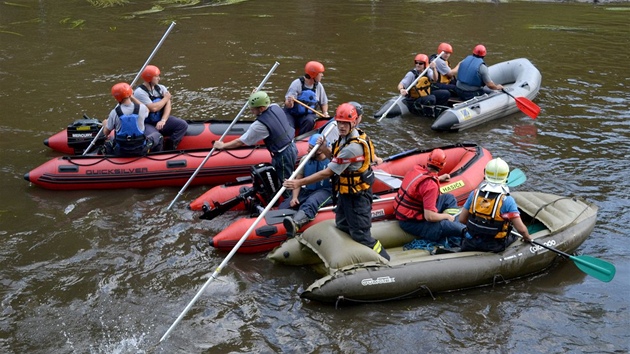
column 497, row 171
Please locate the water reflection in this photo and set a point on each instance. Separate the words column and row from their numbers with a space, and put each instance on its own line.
column 96, row 271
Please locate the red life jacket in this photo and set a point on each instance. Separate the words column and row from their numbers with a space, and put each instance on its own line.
column 408, row 203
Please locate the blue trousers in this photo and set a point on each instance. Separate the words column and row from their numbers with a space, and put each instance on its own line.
column 436, row 231
column 310, row 201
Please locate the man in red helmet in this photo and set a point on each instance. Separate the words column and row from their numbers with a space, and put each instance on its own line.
column 445, row 76
column 473, row 77
column 132, row 137
column 421, row 98
column 309, row 90
column 420, row 207
column 157, row 98
column 352, row 176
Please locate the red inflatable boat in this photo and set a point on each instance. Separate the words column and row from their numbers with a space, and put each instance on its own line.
column 465, row 163
column 160, row 169
column 200, row 134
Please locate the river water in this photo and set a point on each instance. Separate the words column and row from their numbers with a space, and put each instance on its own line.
column 109, row 271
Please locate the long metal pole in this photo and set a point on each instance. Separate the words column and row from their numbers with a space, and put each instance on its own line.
column 407, row 89
column 249, row 231
column 136, row 78
column 181, row 191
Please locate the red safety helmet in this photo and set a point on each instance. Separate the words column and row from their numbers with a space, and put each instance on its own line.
column 480, row 50
column 437, row 159
column 121, row 90
column 346, row 112
column 150, row 72
column 445, row 47
column 423, row 58
column 313, row 68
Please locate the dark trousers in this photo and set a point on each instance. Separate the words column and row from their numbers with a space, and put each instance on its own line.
column 284, row 163
column 174, row 128
column 353, row 215
column 302, row 124
column 436, row 231
column 310, row 201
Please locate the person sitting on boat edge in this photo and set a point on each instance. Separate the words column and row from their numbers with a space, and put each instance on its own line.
column 131, row 136
column 420, row 207
column 421, row 99
column 158, row 99
column 311, row 197
column 309, row 90
column 352, row 176
column 472, row 75
column 333, row 135
column 271, row 126
column 490, row 212
column 446, row 77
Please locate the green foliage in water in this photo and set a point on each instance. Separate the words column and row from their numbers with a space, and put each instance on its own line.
column 107, row 3
column 73, row 23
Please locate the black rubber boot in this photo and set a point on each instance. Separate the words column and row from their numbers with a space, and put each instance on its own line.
column 293, row 224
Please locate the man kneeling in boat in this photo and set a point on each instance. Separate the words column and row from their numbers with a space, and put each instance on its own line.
column 132, row 137
column 419, row 206
column 313, row 196
column 490, row 212
column 352, row 178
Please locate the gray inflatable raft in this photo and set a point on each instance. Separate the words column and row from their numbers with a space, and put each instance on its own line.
column 519, row 77
column 353, row 272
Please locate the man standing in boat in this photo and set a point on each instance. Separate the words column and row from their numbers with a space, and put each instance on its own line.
column 309, row 90
column 472, row 75
column 132, row 137
column 352, row 178
column 313, row 196
column 490, row 212
column 272, row 127
column 419, row 206
column 157, row 98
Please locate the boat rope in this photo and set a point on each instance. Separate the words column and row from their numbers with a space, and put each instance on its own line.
column 498, row 276
column 403, row 296
column 155, row 157
column 553, row 202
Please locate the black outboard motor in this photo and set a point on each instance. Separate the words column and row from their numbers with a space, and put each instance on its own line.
column 266, row 185
column 81, row 133
column 266, row 181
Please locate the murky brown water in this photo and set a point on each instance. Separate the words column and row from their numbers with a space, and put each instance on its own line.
column 108, row 272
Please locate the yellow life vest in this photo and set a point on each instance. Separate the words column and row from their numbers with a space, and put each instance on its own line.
column 485, row 216
column 422, row 88
column 351, row 182
column 443, row 78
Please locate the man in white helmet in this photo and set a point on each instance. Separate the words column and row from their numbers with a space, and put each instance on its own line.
column 490, row 213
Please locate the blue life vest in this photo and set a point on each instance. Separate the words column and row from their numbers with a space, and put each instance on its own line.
column 308, row 96
column 280, row 132
column 314, row 166
column 468, row 72
column 130, row 140
column 154, row 117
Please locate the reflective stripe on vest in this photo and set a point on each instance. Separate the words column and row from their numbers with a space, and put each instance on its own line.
column 351, row 182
